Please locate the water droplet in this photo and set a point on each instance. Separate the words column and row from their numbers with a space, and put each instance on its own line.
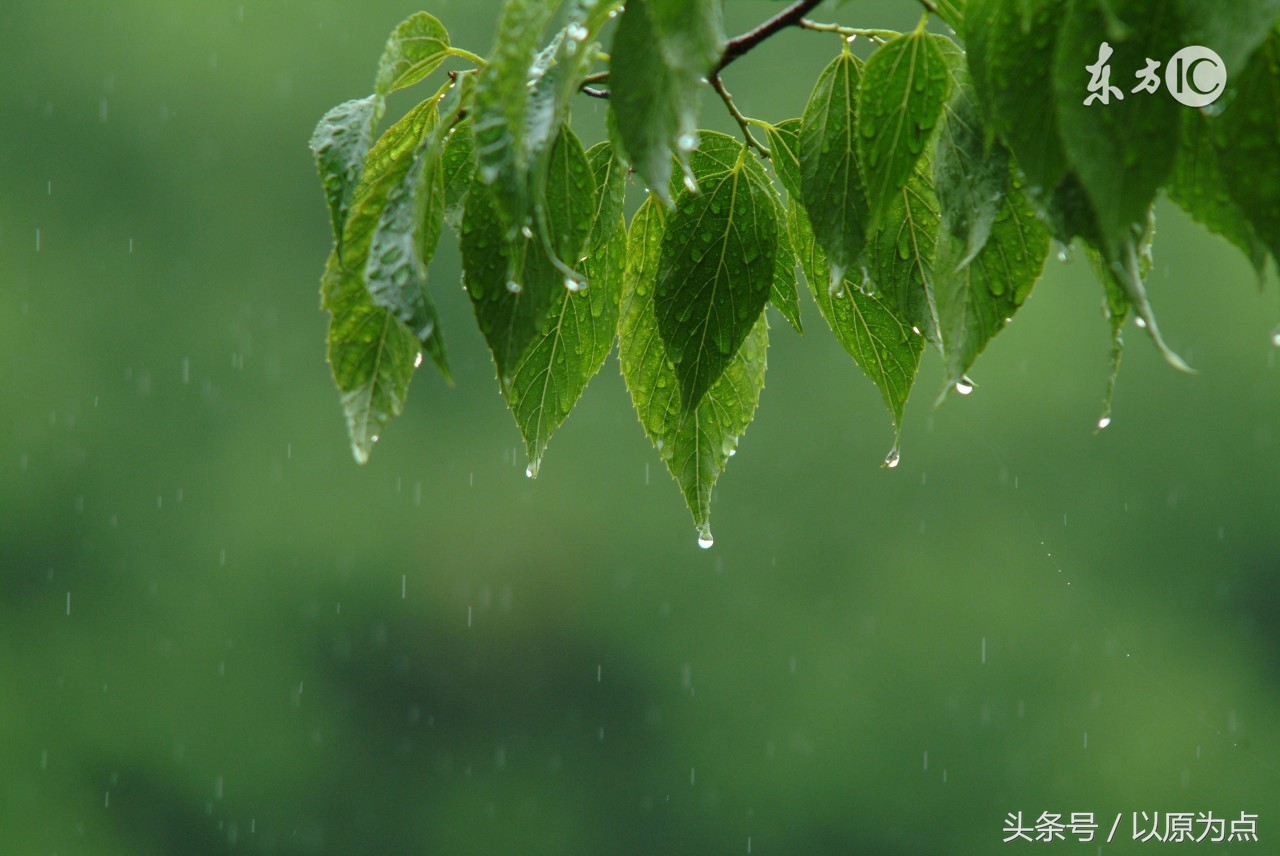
column 891, row 460
column 964, row 386
column 1140, row 321
column 417, row 361
column 531, row 471
column 513, row 287
column 1275, row 337
column 527, row 232
column 689, row 183
column 574, row 285
column 577, row 32
column 705, row 540
column 1104, row 422
column 687, row 142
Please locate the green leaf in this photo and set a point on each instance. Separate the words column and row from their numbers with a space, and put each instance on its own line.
column 716, row 268
column 1122, row 150
column 951, row 12
column 830, row 184
column 500, row 119
column 661, row 52
column 1010, row 46
column 371, row 354
column 339, row 145
column 458, row 161
column 512, row 282
column 415, row 48
column 1200, row 187
column 878, row 338
column 1247, row 135
column 899, row 256
column 1233, row 30
column 1126, row 266
column 401, row 248
column 610, row 176
column 573, row 344
column 904, row 85
column 970, row 171
column 784, row 143
column 695, row 448
column 975, row 302
column 783, row 293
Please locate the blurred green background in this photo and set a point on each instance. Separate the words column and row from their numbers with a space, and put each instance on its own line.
column 218, row 634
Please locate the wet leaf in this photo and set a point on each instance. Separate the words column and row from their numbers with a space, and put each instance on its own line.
column 717, row 265
column 1234, row 30
column 1010, row 46
column 1123, row 150
column 371, row 354
column 1200, row 187
column 899, row 256
column 339, row 145
column 872, row 332
column 1247, row 136
column 512, row 281
column 904, row 85
column 830, row 185
column 784, row 143
column 415, row 48
column 499, row 123
column 975, row 301
column 695, row 447
column 661, row 52
column 458, row 162
column 784, row 293
column 611, row 191
column 970, row 170
column 573, row 344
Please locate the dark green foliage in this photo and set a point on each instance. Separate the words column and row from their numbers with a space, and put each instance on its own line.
column 917, row 195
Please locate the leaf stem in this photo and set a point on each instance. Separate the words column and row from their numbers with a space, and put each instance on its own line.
column 848, row 32
column 745, row 43
column 467, row 55
column 743, row 122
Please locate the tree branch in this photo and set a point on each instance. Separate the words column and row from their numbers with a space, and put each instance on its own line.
column 743, row 44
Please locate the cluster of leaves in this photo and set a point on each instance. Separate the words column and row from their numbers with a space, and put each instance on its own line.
column 918, row 194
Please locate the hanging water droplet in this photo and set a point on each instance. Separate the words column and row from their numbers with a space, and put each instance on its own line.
column 964, row 386
column 891, row 460
column 1140, row 321
column 513, row 287
column 689, row 183
column 687, row 142
column 574, row 285
column 705, row 540
column 527, row 232
column 1104, row 422
column 577, row 32
column 417, row 361
column 531, row 471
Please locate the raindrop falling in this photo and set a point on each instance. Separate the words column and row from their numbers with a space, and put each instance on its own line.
column 417, row 361
column 1275, row 337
